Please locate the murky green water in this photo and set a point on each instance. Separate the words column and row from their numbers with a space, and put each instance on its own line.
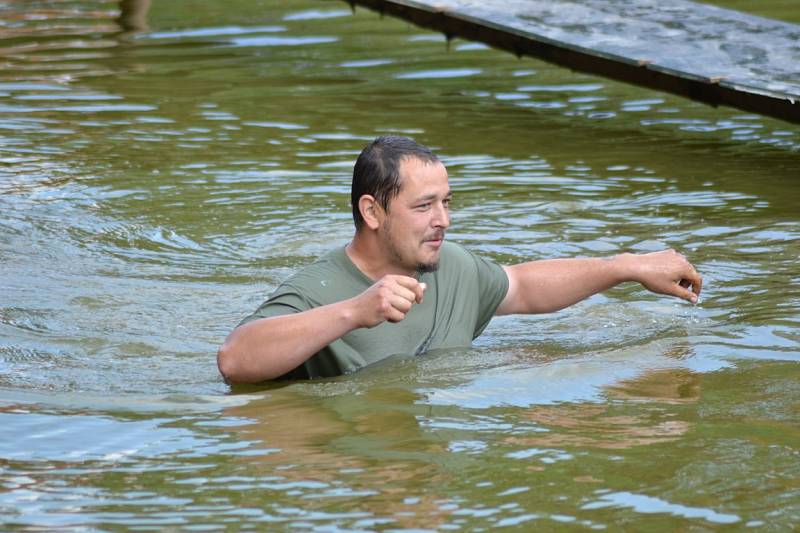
column 154, row 187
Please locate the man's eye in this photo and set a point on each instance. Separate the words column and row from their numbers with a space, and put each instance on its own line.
column 424, row 207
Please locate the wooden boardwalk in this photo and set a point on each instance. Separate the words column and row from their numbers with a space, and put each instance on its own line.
column 713, row 55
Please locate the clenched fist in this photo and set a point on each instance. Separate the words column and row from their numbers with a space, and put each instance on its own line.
column 389, row 299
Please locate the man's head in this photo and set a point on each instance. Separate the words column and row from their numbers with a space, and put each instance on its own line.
column 401, row 195
column 377, row 170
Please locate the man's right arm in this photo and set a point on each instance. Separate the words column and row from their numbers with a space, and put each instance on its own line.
column 268, row 348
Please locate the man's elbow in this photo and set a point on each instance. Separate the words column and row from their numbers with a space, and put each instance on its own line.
column 225, row 362
column 229, row 364
column 235, row 364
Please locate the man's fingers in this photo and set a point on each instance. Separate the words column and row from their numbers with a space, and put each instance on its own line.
column 690, row 283
column 697, row 283
column 413, row 285
column 394, row 316
column 404, row 293
column 692, row 279
column 406, row 281
column 392, row 298
column 401, row 304
column 682, row 291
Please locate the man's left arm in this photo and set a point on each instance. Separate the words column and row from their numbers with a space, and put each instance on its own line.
column 552, row 284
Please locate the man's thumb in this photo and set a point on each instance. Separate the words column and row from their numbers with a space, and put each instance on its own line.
column 422, row 287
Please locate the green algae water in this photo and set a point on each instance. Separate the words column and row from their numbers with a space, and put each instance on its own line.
column 162, row 171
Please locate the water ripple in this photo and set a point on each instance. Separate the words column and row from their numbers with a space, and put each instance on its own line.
column 156, row 184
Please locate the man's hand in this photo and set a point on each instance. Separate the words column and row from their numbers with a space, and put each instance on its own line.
column 390, row 298
column 665, row 272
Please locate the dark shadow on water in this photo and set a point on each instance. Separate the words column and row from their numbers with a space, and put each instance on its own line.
column 133, row 16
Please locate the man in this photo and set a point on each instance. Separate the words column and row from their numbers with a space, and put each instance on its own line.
column 398, row 287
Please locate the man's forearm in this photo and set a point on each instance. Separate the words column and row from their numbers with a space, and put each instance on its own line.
column 268, row 348
column 553, row 284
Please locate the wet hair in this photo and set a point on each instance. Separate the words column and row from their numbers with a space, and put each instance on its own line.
column 377, row 170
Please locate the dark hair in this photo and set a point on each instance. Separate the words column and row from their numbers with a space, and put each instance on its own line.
column 377, row 170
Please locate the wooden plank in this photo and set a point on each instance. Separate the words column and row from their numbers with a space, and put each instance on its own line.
column 709, row 54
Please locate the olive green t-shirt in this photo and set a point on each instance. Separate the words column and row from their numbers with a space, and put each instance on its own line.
column 460, row 300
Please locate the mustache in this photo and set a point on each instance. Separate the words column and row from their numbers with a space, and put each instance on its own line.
column 435, row 236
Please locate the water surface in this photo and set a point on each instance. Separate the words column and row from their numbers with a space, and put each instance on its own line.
column 156, row 185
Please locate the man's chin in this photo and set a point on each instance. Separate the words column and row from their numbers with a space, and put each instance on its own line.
column 424, row 268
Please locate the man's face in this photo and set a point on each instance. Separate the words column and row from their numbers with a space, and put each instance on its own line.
column 415, row 224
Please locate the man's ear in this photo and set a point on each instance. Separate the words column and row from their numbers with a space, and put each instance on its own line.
column 371, row 211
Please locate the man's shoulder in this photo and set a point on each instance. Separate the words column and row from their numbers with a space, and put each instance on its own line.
column 326, row 265
column 328, row 279
column 456, row 259
column 454, row 250
column 327, row 261
column 456, row 254
column 457, row 266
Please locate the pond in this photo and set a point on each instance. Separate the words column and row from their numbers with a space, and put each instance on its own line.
column 156, row 186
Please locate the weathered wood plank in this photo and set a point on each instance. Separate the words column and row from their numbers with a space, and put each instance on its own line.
column 709, row 54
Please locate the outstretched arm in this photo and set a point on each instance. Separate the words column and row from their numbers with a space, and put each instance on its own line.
column 553, row 284
column 268, row 348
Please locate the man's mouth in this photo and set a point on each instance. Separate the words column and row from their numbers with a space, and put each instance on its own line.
column 436, row 238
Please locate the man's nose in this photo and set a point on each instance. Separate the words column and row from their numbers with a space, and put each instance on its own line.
column 441, row 218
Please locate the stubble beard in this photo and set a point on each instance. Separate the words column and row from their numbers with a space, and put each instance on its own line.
column 420, row 268
column 424, row 268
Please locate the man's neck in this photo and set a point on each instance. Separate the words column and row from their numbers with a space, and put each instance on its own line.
column 367, row 255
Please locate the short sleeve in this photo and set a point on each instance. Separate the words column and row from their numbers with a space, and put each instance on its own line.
column 492, row 289
column 284, row 301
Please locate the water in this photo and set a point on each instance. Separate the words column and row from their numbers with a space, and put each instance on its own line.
column 155, row 186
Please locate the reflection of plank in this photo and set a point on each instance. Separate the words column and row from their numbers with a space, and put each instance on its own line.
column 713, row 55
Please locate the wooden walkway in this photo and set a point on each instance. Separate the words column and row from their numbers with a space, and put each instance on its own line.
column 713, row 55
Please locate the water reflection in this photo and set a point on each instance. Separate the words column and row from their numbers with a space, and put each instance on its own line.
column 133, row 15
column 646, row 504
column 382, row 442
column 606, row 425
column 351, row 448
column 156, row 182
